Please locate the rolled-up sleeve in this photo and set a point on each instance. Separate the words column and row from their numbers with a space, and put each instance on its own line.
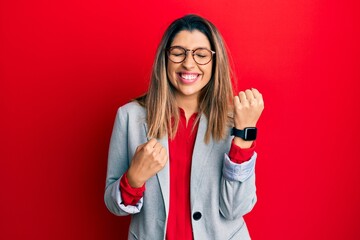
column 116, row 197
column 238, row 172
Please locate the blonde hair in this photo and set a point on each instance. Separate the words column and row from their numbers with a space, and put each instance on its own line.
column 215, row 99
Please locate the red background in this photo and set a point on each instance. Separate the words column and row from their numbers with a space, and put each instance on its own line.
column 67, row 65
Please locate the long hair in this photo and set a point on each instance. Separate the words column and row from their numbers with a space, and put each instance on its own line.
column 214, row 99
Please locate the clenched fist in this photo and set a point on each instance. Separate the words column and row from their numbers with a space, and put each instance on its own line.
column 248, row 106
column 149, row 159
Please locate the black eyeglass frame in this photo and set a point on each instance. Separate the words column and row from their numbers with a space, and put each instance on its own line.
column 189, row 50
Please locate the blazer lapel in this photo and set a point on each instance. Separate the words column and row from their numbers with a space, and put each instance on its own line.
column 199, row 160
column 163, row 176
column 200, row 157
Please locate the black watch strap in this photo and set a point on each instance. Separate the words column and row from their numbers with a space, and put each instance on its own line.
column 248, row 134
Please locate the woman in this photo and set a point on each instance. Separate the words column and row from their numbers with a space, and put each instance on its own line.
column 173, row 162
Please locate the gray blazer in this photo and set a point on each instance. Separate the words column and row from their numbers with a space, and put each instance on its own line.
column 221, row 193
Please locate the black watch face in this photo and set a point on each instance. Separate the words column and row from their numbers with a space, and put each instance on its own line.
column 250, row 133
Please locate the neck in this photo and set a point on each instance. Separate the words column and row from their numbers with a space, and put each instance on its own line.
column 190, row 105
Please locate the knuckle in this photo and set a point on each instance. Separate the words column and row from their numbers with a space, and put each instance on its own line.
column 147, row 148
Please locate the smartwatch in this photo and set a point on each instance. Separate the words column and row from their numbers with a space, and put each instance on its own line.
column 248, row 134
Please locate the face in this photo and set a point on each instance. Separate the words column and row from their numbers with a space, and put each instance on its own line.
column 188, row 77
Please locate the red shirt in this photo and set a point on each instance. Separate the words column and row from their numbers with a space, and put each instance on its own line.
column 180, row 157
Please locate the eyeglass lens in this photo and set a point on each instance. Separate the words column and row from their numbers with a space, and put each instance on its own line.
column 201, row 55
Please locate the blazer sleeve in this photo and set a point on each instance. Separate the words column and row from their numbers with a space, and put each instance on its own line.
column 118, row 164
column 238, row 190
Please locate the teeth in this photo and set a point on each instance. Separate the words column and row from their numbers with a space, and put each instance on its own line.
column 189, row 76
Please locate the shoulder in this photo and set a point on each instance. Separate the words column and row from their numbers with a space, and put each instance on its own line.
column 131, row 118
column 132, row 109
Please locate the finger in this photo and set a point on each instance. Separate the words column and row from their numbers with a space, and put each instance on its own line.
column 256, row 93
column 249, row 95
column 242, row 97
column 157, row 147
column 236, row 101
column 151, row 143
column 258, row 96
column 149, row 146
column 163, row 153
column 141, row 146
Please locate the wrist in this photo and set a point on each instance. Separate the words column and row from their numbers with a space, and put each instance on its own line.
column 133, row 181
column 242, row 143
column 246, row 134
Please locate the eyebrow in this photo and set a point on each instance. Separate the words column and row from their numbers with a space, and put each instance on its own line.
column 190, row 49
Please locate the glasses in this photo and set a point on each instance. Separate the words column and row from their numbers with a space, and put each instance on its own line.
column 201, row 56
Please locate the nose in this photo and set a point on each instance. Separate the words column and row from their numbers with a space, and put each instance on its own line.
column 189, row 61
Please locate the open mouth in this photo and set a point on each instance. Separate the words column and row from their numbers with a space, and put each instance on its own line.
column 188, row 77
